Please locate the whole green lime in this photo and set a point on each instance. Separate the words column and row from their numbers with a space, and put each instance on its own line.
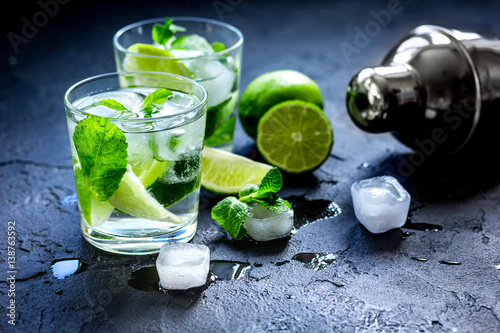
column 272, row 88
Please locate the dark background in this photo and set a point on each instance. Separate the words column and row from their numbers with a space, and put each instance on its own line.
column 375, row 283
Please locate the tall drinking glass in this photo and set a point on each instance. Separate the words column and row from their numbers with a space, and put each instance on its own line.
column 206, row 51
column 136, row 141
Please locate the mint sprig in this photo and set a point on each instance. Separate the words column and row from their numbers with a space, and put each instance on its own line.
column 152, row 102
column 102, row 152
column 231, row 212
column 163, row 33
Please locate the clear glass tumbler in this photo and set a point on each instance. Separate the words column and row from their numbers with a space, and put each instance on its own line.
column 212, row 57
column 136, row 143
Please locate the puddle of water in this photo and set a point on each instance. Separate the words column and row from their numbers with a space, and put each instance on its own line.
column 65, row 267
column 147, row 279
column 307, row 211
column 316, row 261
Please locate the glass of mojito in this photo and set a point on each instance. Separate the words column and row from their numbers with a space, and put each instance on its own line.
column 136, row 142
column 204, row 50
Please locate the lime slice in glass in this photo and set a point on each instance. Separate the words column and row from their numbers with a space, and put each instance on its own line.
column 227, row 173
column 151, row 58
column 295, row 136
column 132, row 198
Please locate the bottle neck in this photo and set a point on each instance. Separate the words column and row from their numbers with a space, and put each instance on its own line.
column 379, row 99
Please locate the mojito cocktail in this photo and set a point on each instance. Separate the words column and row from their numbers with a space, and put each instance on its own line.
column 136, row 141
column 204, row 50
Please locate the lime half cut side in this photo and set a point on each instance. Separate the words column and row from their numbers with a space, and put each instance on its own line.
column 132, row 198
column 227, row 173
column 295, row 136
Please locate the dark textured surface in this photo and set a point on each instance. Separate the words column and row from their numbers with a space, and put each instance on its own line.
column 375, row 284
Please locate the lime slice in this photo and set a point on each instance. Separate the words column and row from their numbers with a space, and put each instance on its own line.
column 295, row 136
column 272, row 88
column 227, row 173
column 151, row 58
column 156, row 170
column 132, row 198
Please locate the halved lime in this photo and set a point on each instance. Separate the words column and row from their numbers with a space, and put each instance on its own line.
column 272, row 88
column 295, row 136
column 151, row 58
column 227, row 173
column 132, row 198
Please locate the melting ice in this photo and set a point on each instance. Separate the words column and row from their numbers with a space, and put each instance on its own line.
column 380, row 203
column 183, row 266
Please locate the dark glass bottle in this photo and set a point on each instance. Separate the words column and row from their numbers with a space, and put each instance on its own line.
column 437, row 91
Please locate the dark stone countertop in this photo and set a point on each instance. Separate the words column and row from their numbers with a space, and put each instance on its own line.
column 375, row 283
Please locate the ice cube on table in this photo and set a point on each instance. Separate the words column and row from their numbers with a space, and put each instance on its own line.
column 380, row 203
column 264, row 225
column 183, row 266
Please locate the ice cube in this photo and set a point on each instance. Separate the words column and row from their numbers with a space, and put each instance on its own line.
column 217, row 79
column 380, row 203
column 183, row 266
column 264, row 225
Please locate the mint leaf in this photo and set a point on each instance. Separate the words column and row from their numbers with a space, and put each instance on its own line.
column 271, row 183
column 163, row 33
column 112, row 104
column 231, row 214
column 102, row 152
column 83, row 193
column 223, row 134
column 248, row 190
column 152, row 102
column 277, row 206
column 218, row 46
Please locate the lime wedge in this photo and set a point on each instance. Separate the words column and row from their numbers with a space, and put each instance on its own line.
column 132, row 198
column 151, row 58
column 227, row 173
column 295, row 136
column 156, row 170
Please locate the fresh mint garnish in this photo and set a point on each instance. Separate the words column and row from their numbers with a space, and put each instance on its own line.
column 110, row 103
column 163, row 33
column 231, row 212
column 218, row 46
column 152, row 102
column 102, row 152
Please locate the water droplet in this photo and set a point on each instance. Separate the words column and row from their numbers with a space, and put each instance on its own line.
column 62, row 268
column 450, row 262
column 281, row 263
column 258, row 264
column 419, row 259
column 58, row 292
column 366, row 166
column 497, row 266
column 316, row 261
